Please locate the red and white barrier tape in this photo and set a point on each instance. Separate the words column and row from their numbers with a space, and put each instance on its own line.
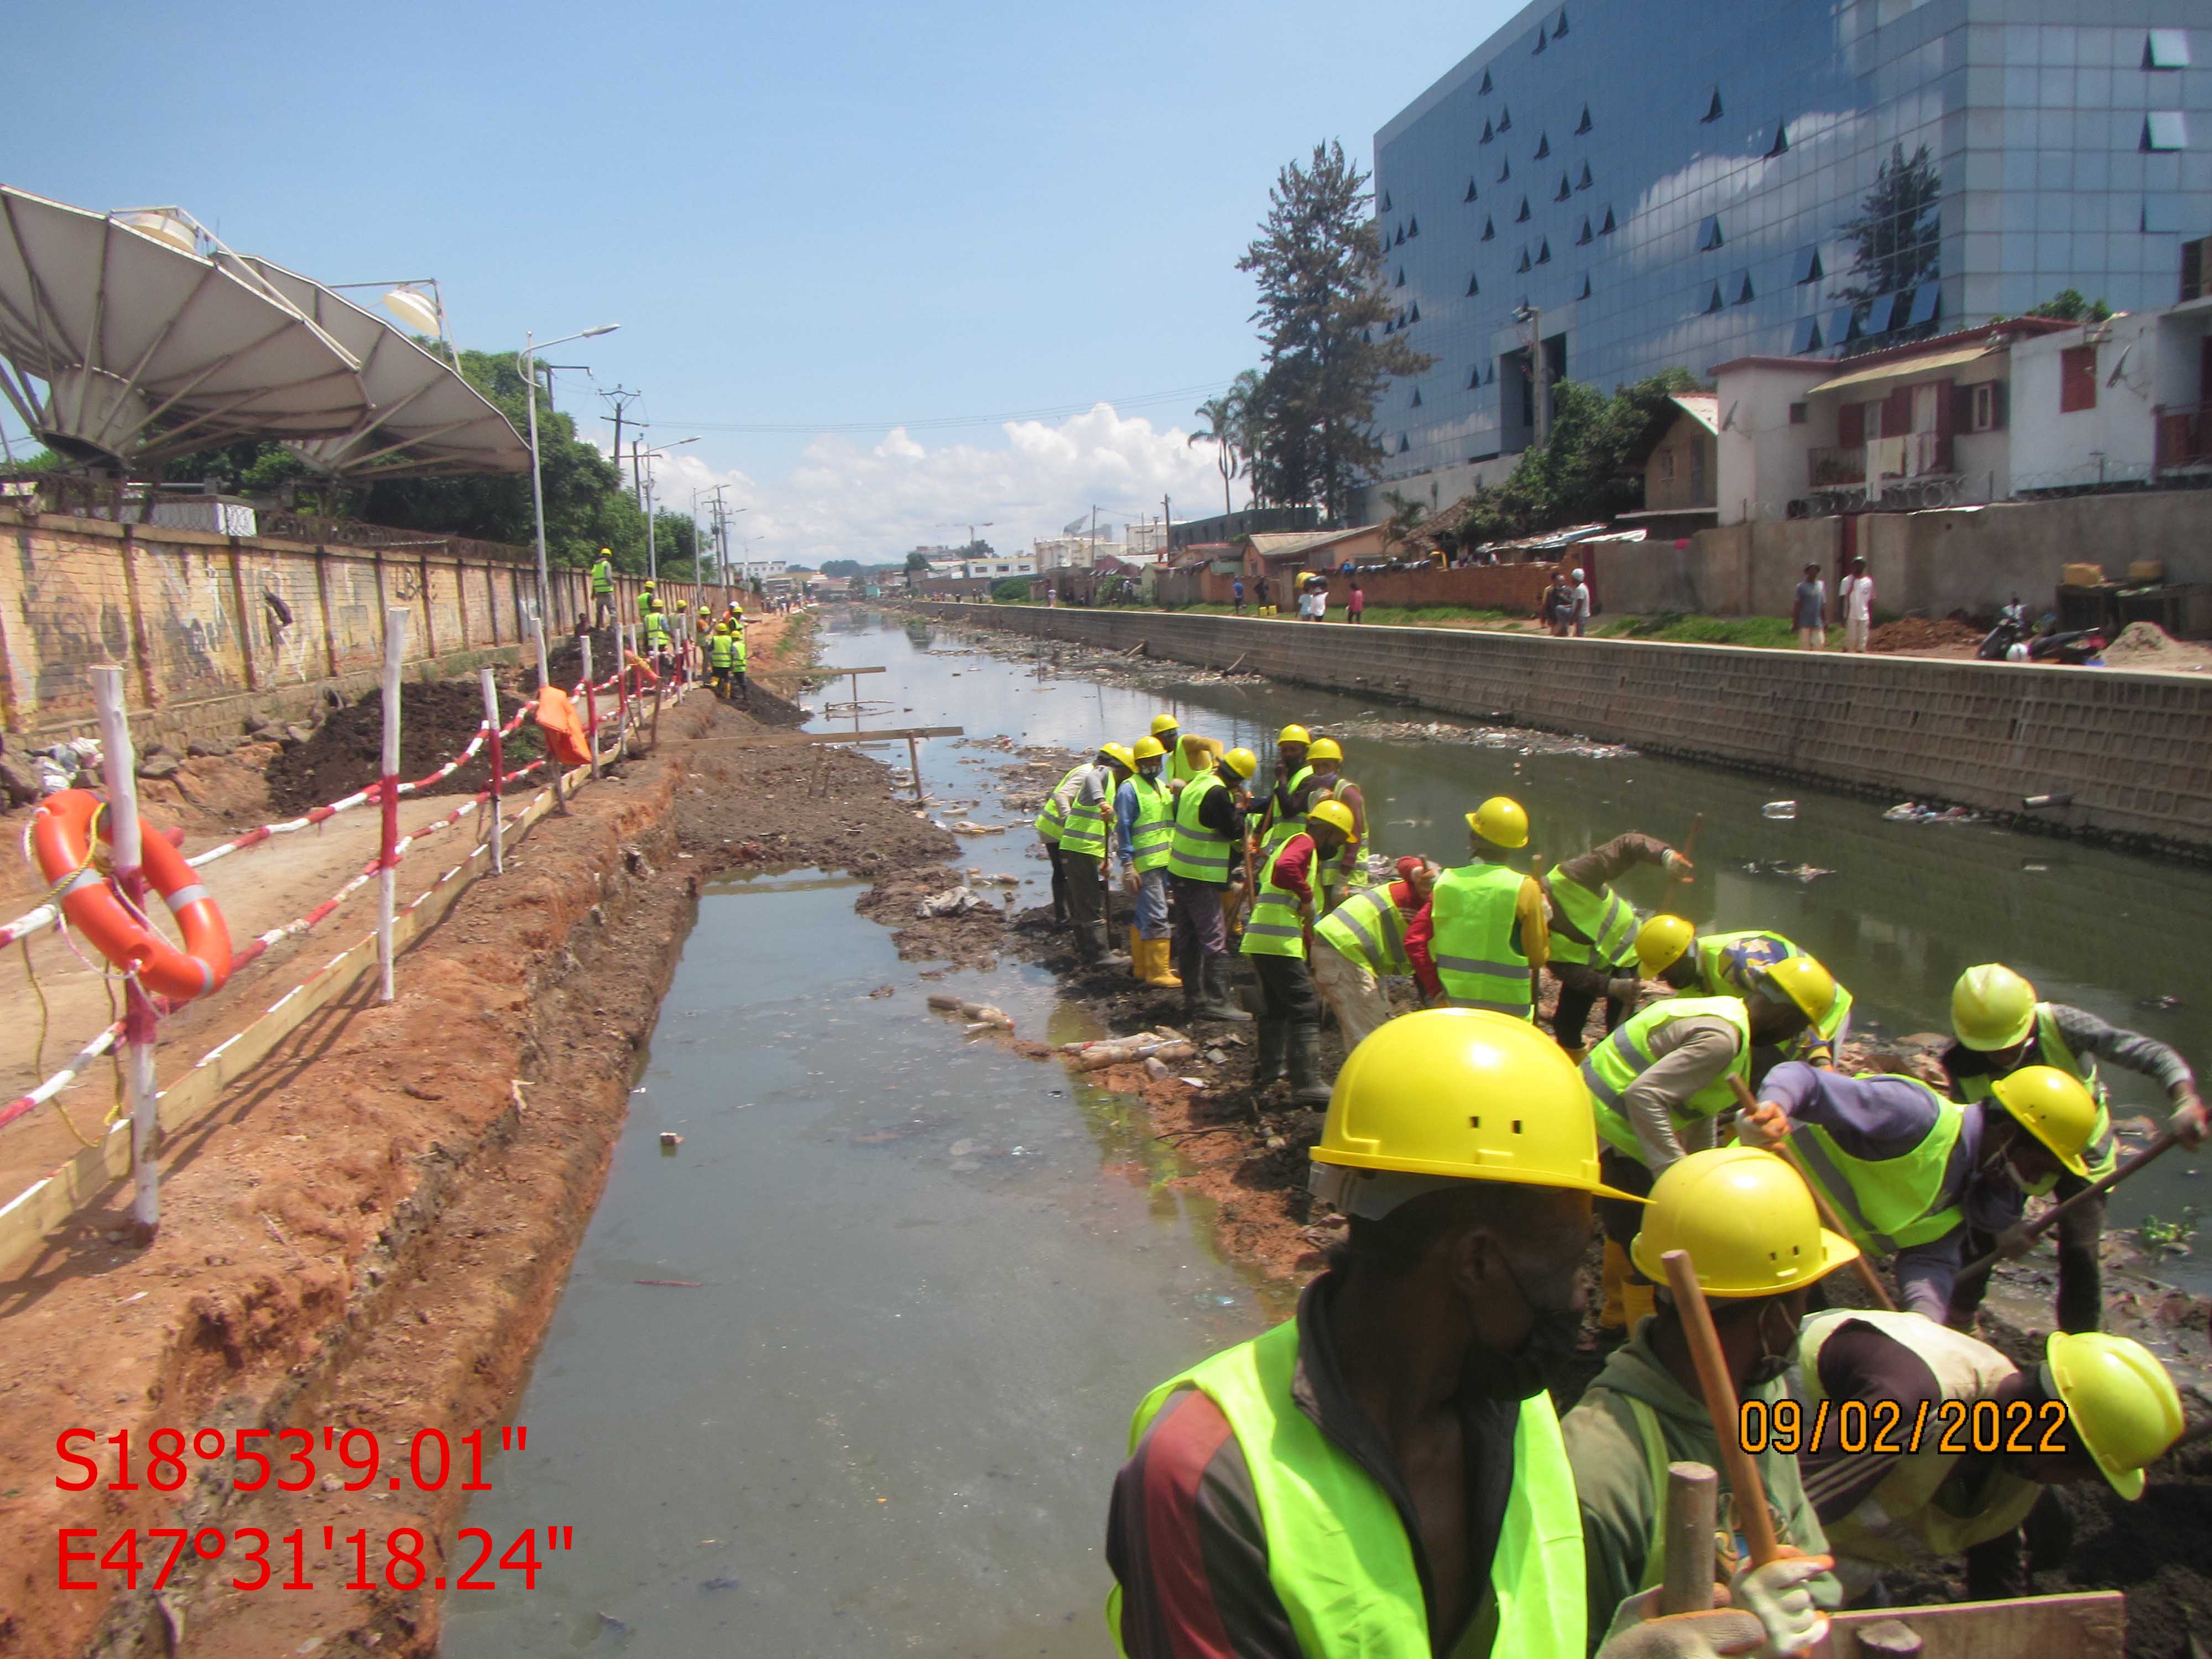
column 61, row 1079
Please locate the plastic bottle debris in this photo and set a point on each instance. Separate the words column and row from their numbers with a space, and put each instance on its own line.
column 953, row 902
column 669, row 1140
column 1913, row 812
column 1779, row 809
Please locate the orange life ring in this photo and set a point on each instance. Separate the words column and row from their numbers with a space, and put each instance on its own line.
column 62, row 835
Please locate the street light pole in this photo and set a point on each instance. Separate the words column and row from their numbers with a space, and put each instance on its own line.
column 537, row 478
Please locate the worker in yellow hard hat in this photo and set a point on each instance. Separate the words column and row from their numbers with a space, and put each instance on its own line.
column 1484, row 935
column 1593, row 931
column 1755, row 1239
column 1348, row 869
column 2001, row 1026
column 1085, row 799
column 1207, row 840
column 2096, row 1408
column 1186, row 756
column 1275, row 934
column 1286, row 806
column 1670, row 949
column 603, row 589
column 1144, row 827
column 1340, row 1485
column 1660, row 1083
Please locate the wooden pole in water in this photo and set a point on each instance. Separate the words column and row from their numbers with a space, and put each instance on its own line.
column 125, row 841
column 913, row 757
column 387, row 881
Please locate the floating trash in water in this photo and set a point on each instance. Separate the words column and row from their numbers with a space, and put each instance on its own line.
column 1779, row 809
column 1803, row 872
column 2159, row 1002
column 1913, row 812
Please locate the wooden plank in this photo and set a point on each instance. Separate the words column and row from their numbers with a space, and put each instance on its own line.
column 2084, row 1621
column 802, row 739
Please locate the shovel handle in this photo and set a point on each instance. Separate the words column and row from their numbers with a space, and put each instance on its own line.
column 1689, row 842
column 1863, row 1269
column 1719, row 1389
column 2166, row 1142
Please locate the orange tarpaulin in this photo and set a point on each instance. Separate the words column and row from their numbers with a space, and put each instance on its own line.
column 642, row 667
column 564, row 731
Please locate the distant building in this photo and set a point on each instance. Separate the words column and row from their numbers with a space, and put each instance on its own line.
column 1146, row 539
column 1063, row 552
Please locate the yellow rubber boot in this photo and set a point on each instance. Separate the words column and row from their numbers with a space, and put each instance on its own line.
column 1159, row 969
column 1638, row 1302
column 1610, row 1316
column 1136, row 954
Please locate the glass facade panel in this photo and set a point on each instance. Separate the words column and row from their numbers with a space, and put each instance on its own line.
column 1743, row 159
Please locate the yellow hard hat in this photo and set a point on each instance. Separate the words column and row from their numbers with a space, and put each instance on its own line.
column 606, row 552
column 1333, row 812
column 1293, row 734
column 2054, row 1107
column 1661, row 941
column 1119, row 753
column 648, row 581
column 1467, row 1093
column 1748, row 1220
column 2125, row 1409
column 1162, row 724
column 1324, row 749
column 1804, row 982
column 1992, row 1007
column 1243, row 762
column 1500, row 821
column 1148, row 748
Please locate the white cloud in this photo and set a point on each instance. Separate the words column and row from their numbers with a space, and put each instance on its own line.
column 847, row 499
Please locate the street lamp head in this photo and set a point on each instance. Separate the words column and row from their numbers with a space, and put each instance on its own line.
column 594, row 333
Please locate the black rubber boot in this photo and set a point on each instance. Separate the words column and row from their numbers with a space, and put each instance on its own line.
column 1268, row 1052
column 1308, row 1087
column 1214, row 1004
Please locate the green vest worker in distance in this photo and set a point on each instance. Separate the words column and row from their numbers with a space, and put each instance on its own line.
column 1382, row 1477
column 2002, row 1027
column 1143, row 829
column 602, row 588
column 1592, row 932
column 1275, row 939
column 2097, row 1407
column 1670, row 949
column 1484, row 934
column 1758, row 1247
column 1286, row 806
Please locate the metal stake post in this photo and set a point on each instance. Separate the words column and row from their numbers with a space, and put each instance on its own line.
column 121, row 764
column 395, row 648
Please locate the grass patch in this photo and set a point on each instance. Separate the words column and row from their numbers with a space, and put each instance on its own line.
column 1684, row 628
column 1383, row 616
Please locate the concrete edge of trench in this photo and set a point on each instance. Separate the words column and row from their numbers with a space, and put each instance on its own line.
column 2133, row 750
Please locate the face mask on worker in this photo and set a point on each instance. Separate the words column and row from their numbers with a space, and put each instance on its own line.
column 1774, row 1356
column 1543, row 1357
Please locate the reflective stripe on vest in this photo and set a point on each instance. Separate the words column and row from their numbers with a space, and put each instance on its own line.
column 1625, row 1056
column 1275, row 928
column 1887, row 1204
column 2102, row 1153
column 1154, row 829
column 1338, row 1555
column 1369, row 928
column 1050, row 822
column 1181, row 768
column 603, row 577
column 718, row 650
column 1604, row 920
column 1194, row 851
column 1085, row 828
column 1475, row 908
column 1281, row 829
column 1905, row 1507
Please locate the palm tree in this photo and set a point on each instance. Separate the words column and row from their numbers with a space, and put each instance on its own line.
column 1219, row 415
column 1246, row 424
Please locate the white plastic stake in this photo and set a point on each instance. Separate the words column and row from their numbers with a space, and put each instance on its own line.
column 498, row 762
column 387, row 884
column 591, row 707
column 120, row 762
column 552, row 761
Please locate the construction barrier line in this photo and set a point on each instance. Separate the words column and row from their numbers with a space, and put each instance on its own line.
column 61, row 1079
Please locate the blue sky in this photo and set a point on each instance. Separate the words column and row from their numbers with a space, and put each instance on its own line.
column 808, row 216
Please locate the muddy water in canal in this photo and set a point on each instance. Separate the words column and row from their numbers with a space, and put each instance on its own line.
column 932, row 1278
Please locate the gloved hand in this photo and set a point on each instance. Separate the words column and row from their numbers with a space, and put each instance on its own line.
column 1724, row 1632
column 1676, row 865
column 1776, row 1596
column 2189, row 1122
column 1129, row 882
column 1626, row 989
column 1765, row 1126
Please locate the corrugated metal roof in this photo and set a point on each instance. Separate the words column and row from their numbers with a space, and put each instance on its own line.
column 1703, row 407
column 1907, row 368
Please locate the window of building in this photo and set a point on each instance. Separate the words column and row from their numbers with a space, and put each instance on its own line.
column 1544, row 251
column 1489, row 228
column 1739, row 285
column 1524, row 265
column 1522, row 217
column 1400, row 283
column 1842, row 325
column 1414, row 226
column 1487, row 134
column 1559, row 28
column 1587, row 237
column 1414, row 315
column 1585, row 294
column 1475, row 380
column 2077, row 379
column 1878, row 312
column 1808, row 337
column 1416, row 397
column 1543, row 145
column 1583, row 181
column 1399, row 239
column 1799, row 413
column 1709, row 233
column 2165, row 49
column 2165, row 129
column 1386, row 201
column 1473, row 285
column 1926, row 299
column 2160, row 214
column 1714, row 302
column 1566, row 188
column 1986, row 406
column 1607, row 228
column 1665, row 461
column 1402, row 445
column 1713, row 109
column 1806, row 266
column 1505, row 118
column 1469, row 196
column 1582, row 126
column 1484, row 90
column 1781, row 144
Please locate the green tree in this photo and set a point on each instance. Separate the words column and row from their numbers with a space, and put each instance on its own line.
column 1318, row 266
column 917, row 560
column 1897, row 234
column 1219, row 416
column 2070, row 305
column 841, row 567
column 1590, row 466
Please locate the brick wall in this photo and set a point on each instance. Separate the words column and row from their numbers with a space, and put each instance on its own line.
column 2133, row 749
column 189, row 615
column 1514, row 587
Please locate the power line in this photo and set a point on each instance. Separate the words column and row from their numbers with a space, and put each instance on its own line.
column 938, row 423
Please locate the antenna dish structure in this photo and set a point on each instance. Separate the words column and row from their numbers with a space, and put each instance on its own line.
column 423, row 418
column 126, row 343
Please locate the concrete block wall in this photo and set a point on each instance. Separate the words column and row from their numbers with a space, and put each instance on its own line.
column 2133, row 749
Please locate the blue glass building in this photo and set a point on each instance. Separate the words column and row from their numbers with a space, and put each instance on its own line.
column 1656, row 182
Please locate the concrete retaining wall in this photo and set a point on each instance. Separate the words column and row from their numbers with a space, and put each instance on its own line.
column 2133, row 749
column 195, row 620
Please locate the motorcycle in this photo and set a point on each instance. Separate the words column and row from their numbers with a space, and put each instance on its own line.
column 2081, row 645
column 2012, row 627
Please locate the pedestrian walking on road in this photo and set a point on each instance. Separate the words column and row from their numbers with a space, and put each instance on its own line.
column 1578, row 604
column 1558, row 604
column 1237, row 587
column 1356, row 606
column 1811, row 619
column 1857, row 590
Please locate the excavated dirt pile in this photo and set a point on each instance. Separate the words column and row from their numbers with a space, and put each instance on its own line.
column 437, row 719
column 1924, row 633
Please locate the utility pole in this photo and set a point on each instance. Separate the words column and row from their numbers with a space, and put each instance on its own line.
column 621, row 397
column 1094, row 535
column 636, row 466
column 1167, row 528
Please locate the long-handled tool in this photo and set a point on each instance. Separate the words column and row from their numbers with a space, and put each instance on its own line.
column 1721, row 1405
column 1835, row 1224
column 1685, row 1583
column 1689, row 844
column 2164, row 1143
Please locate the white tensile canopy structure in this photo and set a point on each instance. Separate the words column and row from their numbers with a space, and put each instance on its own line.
column 423, row 418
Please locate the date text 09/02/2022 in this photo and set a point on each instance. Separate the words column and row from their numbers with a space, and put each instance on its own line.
column 1886, row 1428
